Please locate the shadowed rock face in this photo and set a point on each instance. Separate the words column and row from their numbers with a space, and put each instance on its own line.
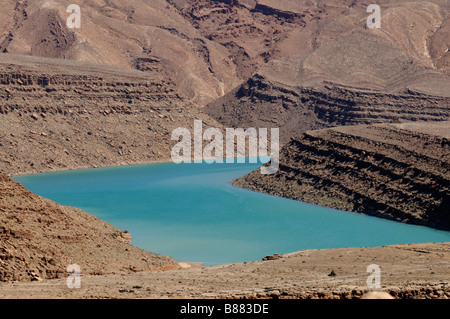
column 397, row 171
column 39, row 239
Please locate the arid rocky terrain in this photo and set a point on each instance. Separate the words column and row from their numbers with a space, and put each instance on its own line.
column 58, row 115
column 207, row 48
column 417, row 271
column 363, row 113
column 145, row 35
column 395, row 171
column 352, row 75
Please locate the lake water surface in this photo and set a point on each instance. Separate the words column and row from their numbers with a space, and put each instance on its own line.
column 191, row 213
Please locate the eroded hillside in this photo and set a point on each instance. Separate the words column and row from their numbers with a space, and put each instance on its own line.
column 58, row 115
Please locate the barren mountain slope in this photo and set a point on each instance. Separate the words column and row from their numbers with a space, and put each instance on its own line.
column 256, row 31
column 209, row 47
column 39, row 239
column 58, row 115
column 397, row 171
column 145, row 35
column 355, row 76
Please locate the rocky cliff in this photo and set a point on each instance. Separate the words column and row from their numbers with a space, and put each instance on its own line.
column 398, row 171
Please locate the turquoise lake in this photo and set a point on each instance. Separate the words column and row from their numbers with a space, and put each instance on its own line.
column 192, row 213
